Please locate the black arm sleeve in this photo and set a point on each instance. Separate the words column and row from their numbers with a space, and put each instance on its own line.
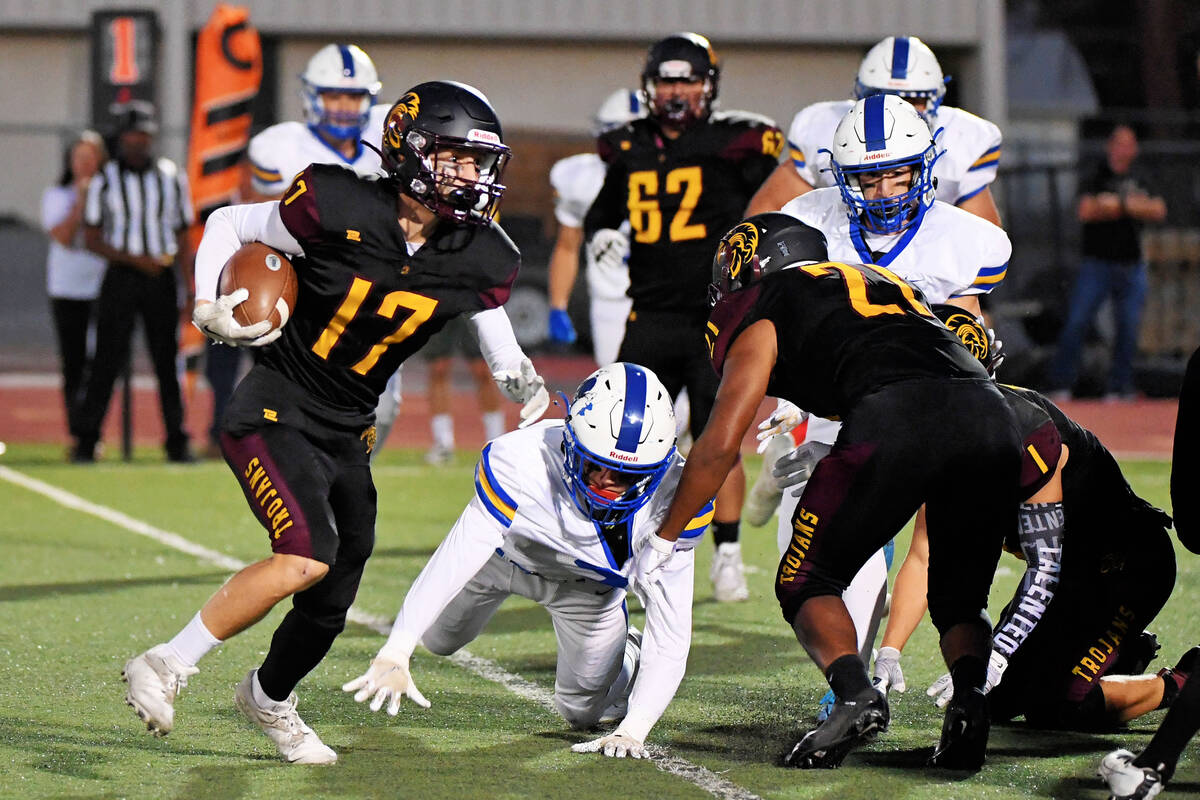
column 1041, row 537
column 608, row 209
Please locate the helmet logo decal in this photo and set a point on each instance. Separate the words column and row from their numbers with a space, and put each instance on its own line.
column 742, row 242
column 405, row 109
column 635, row 409
column 677, row 68
column 487, row 137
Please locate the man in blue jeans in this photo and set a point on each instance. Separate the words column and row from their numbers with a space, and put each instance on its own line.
column 1113, row 206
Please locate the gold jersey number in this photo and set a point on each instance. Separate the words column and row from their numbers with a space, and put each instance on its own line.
column 645, row 213
column 856, row 288
column 422, row 308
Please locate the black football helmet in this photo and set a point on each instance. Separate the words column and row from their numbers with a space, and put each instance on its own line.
column 762, row 245
column 434, row 117
column 681, row 57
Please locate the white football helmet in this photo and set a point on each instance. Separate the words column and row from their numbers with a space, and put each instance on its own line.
column 621, row 419
column 904, row 66
column 339, row 68
column 880, row 133
column 619, row 108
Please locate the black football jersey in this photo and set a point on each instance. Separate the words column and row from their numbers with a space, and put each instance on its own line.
column 842, row 331
column 680, row 197
column 364, row 304
column 1096, row 497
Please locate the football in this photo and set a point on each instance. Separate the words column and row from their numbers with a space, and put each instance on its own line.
column 270, row 279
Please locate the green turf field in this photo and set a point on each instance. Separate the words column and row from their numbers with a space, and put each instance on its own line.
column 82, row 594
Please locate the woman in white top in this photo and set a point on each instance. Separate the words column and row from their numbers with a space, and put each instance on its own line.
column 73, row 273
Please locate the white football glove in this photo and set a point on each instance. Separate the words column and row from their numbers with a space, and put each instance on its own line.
column 888, row 675
column 652, row 556
column 787, row 416
column 215, row 320
column 943, row 687
column 797, row 466
column 617, row 744
column 608, row 253
column 387, row 681
column 524, row 386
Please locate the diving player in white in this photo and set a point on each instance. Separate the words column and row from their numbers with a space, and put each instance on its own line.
column 339, row 87
column 576, row 181
column 882, row 211
column 559, row 510
column 904, row 66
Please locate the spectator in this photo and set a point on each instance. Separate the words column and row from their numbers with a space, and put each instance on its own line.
column 1113, row 206
column 137, row 210
column 73, row 274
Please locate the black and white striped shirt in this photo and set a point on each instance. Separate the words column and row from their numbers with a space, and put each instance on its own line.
column 140, row 211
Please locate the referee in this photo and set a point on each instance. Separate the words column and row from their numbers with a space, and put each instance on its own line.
column 137, row 210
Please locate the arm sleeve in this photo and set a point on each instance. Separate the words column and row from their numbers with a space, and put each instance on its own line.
column 608, row 209
column 497, row 342
column 464, row 551
column 665, row 644
column 982, row 171
column 995, row 250
column 266, row 176
column 1041, row 537
column 231, row 227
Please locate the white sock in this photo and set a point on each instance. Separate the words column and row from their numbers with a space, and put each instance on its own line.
column 442, row 426
column 193, row 642
column 260, row 697
column 493, row 424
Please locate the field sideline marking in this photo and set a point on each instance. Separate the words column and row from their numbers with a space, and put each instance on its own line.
column 695, row 774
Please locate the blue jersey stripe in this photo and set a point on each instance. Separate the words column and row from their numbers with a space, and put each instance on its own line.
column 635, row 409
column 900, row 58
column 873, row 125
column 486, row 461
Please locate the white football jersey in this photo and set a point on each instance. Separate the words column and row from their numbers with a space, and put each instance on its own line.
column 968, row 165
column 949, row 253
column 576, row 181
column 282, row 151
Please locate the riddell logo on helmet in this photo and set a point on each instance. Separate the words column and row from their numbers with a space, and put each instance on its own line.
column 877, row 156
column 487, row 137
column 621, row 456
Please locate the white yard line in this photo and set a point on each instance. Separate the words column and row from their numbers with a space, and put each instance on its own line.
column 695, row 774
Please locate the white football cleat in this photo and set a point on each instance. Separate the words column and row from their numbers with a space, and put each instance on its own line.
column 765, row 495
column 439, row 456
column 296, row 742
column 728, row 575
column 155, row 678
column 1125, row 780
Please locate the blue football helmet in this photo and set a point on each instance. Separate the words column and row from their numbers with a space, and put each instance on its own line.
column 621, row 420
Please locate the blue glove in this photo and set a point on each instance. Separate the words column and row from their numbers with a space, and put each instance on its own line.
column 561, row 329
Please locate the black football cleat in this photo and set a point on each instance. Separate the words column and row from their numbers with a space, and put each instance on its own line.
column 849, row 724
column 964, row 733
